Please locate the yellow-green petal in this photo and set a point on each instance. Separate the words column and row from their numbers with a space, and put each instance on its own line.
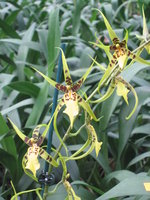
column 72, row 110
column 122, row 91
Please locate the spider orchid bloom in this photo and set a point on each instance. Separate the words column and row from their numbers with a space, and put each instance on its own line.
column 120, row 56
column 71, row 99
column 146, row 36
column 92, row 140
column 70, row 192
column 30, row 160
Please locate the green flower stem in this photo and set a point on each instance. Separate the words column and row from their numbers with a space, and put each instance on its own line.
column 135, row 50
column 55, row 157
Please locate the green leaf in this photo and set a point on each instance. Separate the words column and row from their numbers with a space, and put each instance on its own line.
column 4, row 128
column 8, row 29
column 139, row 158
column 10, row 163
column 143, row 93
column 133, row 185
column 25, row 88
column 23, row 51
column 53, row 40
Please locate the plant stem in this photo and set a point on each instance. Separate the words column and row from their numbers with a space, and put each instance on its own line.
column 55, row 157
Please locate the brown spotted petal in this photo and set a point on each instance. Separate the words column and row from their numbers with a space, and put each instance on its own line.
column 72, row 109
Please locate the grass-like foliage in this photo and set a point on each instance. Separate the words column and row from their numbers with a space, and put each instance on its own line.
column 99, row 148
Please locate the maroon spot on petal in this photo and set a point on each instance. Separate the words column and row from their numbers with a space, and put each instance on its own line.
column 41, row 152
column 113, row 61
column 63, row 100
column 114, row 57
column 26, row 140
column 110, row 65
column 129, row 53
column 66, row 71
column 40, row 141
column 29, row 143
column 134, row 56
column 80, row 100
column 57, row 86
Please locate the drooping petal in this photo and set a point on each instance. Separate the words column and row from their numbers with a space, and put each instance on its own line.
column 32, row 164
column 47, row 157
column 122, row 91
column 28, row 172
column 72, row 110
column 136, row 101
column 67, row 76
column 20, row 134
column 108, row 93
column 94, row 140
column 75, row 155
column 87, row 107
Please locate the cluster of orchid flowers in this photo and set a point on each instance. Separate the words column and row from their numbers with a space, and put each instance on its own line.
column 118, row 54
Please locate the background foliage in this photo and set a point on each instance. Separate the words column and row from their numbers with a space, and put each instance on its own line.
column 29, row 33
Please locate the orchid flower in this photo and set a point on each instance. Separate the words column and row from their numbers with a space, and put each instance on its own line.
column 70, row 192
column 118, row 60
column 117, row 63
column 71, row 99
column 92, row 140
column 146, row 36
column 30, row 160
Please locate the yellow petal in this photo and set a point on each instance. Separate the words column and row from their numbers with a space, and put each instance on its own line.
column 95, row 140
column 122, row 61
column 32, row 161
column 72, row 110
column 122, row 91
column 147, row 186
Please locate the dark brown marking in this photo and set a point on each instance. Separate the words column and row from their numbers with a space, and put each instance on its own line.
column 113, row 61
column 110, row 65
column 66, row 71
column 26, row 140
column 41, row 151
column 134, row 56
column 114, row 57
column 57, row 86
column 129, row 53
column 49, row 158
column 40, row 141
column 80, row 100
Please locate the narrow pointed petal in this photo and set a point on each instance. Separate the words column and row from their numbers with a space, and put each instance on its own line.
column 95, row 140
column 47, row 157
column 98, row 64
column 87, row 107
column 106, row 48
column 77, row 85
column 67, row 76
column 145, row 29
column 111, row 32
column 136, row 101
column 108, row 93
column 139, row 59
column 51, row 82
column 19, row 133
column 122, row 91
